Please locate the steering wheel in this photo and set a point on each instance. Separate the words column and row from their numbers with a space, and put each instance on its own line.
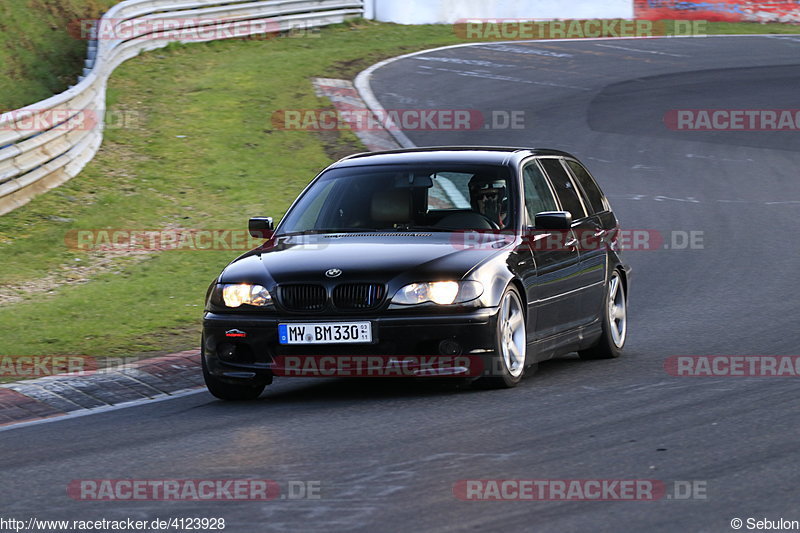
column 467, row 220
column 494, row 224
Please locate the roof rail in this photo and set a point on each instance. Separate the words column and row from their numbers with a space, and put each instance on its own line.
column 439, row 149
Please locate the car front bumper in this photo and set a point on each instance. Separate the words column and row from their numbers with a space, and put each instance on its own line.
column 245, row 348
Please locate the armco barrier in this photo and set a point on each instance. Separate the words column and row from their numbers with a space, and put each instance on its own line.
column 47, row 143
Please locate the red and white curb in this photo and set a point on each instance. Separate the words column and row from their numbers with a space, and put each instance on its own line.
column 56, row 396
column 344, row 97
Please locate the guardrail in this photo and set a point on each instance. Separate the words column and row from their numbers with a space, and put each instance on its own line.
column 47, row 143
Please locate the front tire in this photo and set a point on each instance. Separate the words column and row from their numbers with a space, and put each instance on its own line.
column 510, row 344
column 615, row 322
column 228, row 391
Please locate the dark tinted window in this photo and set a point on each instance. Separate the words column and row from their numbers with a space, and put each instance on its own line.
column 401, row 197
column 591, row 189
column 565, row 189
column 538, row 197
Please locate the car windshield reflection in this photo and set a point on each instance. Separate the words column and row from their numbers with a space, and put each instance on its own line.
column 400, row 198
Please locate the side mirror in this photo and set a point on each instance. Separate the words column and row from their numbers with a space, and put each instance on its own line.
column 261, row 227
column 555, row 220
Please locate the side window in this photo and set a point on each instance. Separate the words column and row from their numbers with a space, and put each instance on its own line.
column 538, row 197
column 565, row 189
column 589, row 186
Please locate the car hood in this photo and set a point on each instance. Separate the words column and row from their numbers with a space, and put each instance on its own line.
column 381, row 258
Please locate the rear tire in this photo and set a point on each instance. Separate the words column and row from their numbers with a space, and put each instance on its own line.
column 228, row 391
column 508, row 365
column 615, row 322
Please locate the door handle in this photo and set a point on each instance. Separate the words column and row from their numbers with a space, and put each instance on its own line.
column 572, row 243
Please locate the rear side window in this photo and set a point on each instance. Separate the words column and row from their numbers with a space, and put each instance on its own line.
column 589, row 186
column 565, row 189
column 538, row 197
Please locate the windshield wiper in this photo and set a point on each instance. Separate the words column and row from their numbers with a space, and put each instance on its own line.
column 424, row 228
column 367, row 230
column 329, row 230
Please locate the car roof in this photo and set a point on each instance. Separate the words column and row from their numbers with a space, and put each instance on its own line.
column 485, row 155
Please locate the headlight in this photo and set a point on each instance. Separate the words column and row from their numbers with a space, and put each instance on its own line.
column 438, row 292
column 245, row 293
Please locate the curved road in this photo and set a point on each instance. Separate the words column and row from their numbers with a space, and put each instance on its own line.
column 387, row 455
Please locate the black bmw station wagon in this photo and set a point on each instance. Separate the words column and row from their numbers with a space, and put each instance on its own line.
column 493, row 259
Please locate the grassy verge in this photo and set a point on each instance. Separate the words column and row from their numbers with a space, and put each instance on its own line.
column 750, row 28
column 198, row 150
column 38, row 55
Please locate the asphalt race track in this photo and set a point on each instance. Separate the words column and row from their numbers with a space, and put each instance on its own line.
column 387, row 454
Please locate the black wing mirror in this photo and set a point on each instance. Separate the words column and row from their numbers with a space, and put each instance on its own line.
column 261, row 227
column 555, row 220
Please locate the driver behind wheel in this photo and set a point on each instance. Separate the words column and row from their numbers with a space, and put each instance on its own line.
column 489, row 197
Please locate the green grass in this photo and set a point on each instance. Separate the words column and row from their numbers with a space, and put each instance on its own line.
column 230, row 165
column 39, row 57
column 749, row 28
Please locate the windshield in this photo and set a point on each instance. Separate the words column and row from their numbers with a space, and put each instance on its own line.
column 394, row 198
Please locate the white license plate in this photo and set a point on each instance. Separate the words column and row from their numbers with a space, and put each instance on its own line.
column 325, row 333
